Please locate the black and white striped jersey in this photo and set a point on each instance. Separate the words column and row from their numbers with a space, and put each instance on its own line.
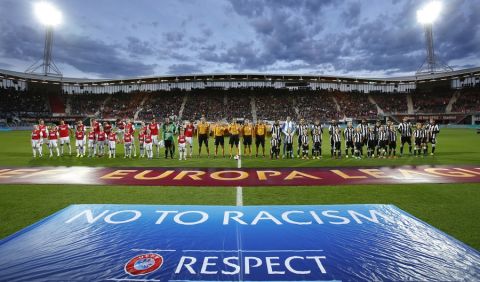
column 336, row 137
column 317, row 138
column 348, row 134
column 302, row 128
column 371, row 137
column 304, row 139
column 332, row 128
column 405, row 129
column 419, row 133
column 392, row 135
column 433, row 130
column 276, row 129
column 274, row 142
column 357, row 137
column 382, row 135
column 317, row 128
column 376, row 130
column 363, row 129
column 289, row 138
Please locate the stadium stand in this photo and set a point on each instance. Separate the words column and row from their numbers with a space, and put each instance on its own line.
column 23, row 103
column 268, row 103
column 356, row 105
column 274, row 104
column 468, row 101
column 159, row 104
column 431, row 102
column 391, row 103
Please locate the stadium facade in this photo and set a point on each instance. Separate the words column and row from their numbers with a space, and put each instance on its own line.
column 457, row 79
column 450, row 97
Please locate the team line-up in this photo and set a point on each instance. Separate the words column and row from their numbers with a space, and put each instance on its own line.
column 379, row 140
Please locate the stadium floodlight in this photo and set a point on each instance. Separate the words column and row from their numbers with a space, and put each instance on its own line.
column 47, row 14
column 427, row 16
column 429, row 13
column 50, row 17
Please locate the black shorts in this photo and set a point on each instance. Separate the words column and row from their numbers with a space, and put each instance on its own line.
column 382, row 144
column 406, row 139
column 358, row 146
column 317, row 145
column 260, row 140
column 349, row 144
column 219, row 140
column 392, row 144
column 371, row 144
column 433, row 140
column 337, row 145
column 234, row 139
column 289, row 146
column 168, row 143
column 247, row 140
column 203, row 138
column 418, row 141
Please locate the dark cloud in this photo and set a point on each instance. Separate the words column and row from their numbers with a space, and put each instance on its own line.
column 82, row 52
column 137, row 47
column 184, row 69
column 391, row 42
column 351, row 15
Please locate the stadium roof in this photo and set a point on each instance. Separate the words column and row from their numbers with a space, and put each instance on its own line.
column 239, row 77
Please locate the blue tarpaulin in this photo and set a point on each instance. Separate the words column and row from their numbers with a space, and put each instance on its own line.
column 225, row 243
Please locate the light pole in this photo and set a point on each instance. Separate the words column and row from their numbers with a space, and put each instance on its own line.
column 49, row 16
column 427, row 16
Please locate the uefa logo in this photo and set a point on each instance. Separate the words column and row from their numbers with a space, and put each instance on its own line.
column 143, row 264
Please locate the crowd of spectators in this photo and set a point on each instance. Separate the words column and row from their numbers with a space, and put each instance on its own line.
column 221, row 104
column 85, row 104
column 23, row 102
column 160, row 104
column 274, row 104
column 431, row 101
column 210, row 103
column 468, row 101
column 391, row 103
column 319, row 104
column 355, row 105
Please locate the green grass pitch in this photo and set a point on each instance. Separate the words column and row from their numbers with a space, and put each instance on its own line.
column 453, row 208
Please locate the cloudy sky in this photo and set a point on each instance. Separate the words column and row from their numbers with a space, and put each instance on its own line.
column 119, row 38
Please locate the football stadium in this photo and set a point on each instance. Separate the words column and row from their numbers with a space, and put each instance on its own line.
column 223, row 174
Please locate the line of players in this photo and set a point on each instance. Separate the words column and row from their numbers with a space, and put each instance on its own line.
column 379, row 140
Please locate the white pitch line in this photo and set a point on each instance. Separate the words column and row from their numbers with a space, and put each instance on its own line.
column 239, row 188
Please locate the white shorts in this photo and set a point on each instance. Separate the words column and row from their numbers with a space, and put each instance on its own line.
column 112, row 144
column 189, row 140
column 155, row 139
column 148, row 146
column 35, row 143
column 40, row 141
column 80, row 143
column 181, row 147
column 142, row 145
column 127, row 144
column 101, row 143
column 53, row 143
column 64, row 140
column 91, row 143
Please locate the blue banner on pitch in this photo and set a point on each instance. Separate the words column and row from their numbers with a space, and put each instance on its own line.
column 225, row 243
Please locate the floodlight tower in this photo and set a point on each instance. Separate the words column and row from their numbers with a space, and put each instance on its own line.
column 427, row 16
column 50, row 17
